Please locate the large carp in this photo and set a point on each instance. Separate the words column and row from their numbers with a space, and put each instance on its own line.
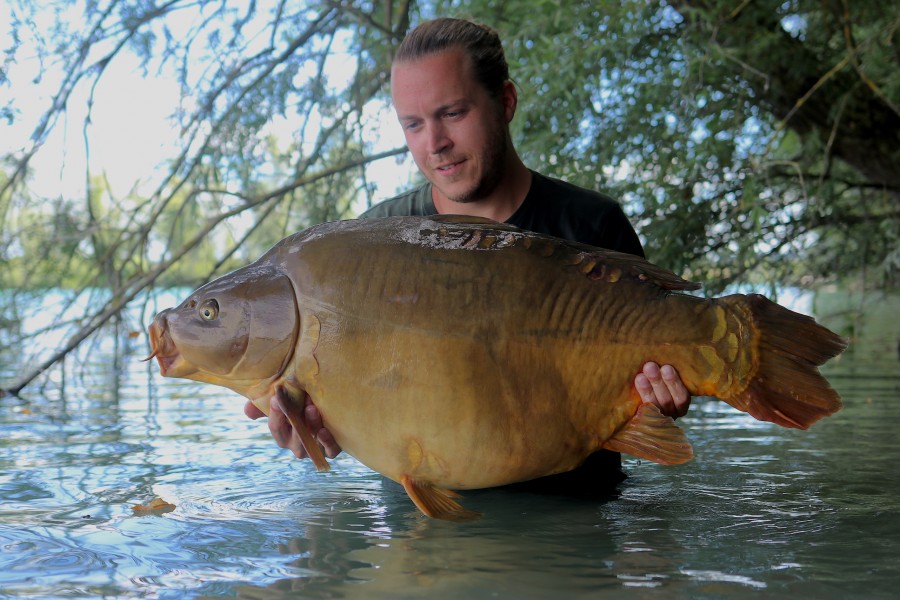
column 457, row 353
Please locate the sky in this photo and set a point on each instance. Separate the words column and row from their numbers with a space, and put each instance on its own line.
column 131, row 133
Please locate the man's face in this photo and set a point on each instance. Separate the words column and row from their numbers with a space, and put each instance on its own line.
column 456, row 131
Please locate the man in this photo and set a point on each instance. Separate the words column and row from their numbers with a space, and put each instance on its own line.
column 454, row 100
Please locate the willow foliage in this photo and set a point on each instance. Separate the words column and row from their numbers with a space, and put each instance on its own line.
column 751, row 141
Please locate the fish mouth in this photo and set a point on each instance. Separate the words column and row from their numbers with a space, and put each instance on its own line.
column 163, row 349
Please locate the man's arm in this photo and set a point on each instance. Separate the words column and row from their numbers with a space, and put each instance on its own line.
column 660, row 385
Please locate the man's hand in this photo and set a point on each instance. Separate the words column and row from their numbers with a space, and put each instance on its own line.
column 660, row 385
column 284, row 433
column 663, row 387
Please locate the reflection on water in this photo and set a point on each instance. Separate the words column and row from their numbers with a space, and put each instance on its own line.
column 761, row 509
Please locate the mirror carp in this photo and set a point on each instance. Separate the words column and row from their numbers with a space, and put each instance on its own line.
column 452, row 353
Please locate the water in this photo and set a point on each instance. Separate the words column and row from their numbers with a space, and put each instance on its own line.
column 760, row 509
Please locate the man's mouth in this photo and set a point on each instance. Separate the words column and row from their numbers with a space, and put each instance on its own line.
column 449, row 168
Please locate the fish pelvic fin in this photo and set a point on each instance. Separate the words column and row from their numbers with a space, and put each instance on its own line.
column 653, row 436
column 293, row 410
column 436, row 502
column 786, row 387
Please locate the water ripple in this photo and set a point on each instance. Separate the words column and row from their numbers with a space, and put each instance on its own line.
column 789, row 513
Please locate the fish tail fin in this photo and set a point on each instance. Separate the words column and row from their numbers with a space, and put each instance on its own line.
column 783, row 384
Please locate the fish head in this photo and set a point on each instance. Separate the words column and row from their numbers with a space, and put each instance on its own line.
column 238, row 331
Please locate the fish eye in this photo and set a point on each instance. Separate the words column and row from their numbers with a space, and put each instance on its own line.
column 209, row 310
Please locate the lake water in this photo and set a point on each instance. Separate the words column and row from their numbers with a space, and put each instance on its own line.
column 761, row 509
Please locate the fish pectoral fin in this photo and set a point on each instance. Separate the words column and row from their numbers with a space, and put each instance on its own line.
column 653, row 436
column 293, row 410
column 436, row 502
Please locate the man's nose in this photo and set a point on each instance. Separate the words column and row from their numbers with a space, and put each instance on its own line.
column 438, row 140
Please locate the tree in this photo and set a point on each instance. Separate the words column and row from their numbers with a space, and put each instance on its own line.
column 242, row 69
column 751, row 141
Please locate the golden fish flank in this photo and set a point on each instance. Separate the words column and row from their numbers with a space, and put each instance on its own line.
column 432, row 345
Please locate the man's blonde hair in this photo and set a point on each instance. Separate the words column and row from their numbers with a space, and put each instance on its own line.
column 479, row 42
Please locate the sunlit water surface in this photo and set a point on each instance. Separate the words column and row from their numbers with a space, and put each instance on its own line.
column 805, row 514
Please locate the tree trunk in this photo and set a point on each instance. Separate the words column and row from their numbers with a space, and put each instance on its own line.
column 829, row 97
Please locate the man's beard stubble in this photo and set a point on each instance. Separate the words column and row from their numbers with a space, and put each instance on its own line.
column 495, row 152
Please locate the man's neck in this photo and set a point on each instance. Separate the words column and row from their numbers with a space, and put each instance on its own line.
column 499, row 205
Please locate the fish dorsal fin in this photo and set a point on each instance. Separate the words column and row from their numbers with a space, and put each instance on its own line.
column 653, row 436
column 595, row 263
column 436, row 502
column 611, row 266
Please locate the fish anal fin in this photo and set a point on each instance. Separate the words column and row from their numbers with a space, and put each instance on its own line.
column 293, row 410
column 653, row 436
column 436, row 502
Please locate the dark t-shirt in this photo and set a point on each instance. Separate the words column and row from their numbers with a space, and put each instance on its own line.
column 566, row 211
column 551, row 206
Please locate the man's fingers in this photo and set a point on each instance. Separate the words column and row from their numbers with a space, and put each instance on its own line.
column 681, row 399
column 312, row 416
column 284, row 433
column 252, row 411
column 663, row 387
column 279, row 426
column 314, row 421
column 651, row 386
column 642, row 385
column 660, row 387
column 328, row 443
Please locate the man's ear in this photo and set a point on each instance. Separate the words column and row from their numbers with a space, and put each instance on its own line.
column 509, row 99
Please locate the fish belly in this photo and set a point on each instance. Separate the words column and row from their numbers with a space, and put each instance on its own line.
column 459, row 412
column 471, row 357
column 472, row 375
